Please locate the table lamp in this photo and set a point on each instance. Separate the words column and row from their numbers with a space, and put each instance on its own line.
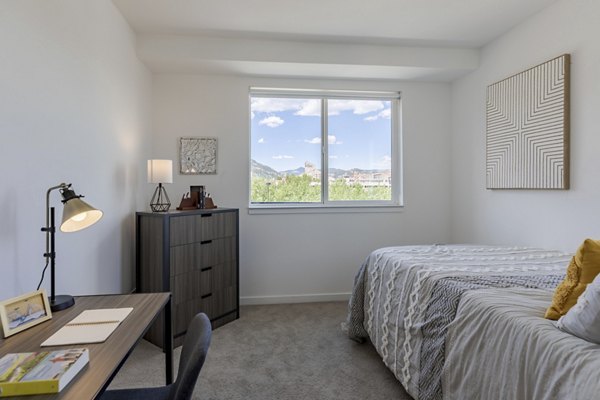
column 160, row 171
column 77, row 215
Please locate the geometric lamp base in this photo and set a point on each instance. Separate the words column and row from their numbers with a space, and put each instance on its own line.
column 160, row 200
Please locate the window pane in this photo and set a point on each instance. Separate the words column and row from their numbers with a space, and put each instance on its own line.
column 285, row 150
column 360, row 150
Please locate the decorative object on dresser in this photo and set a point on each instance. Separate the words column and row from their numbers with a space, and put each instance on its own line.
column 197, row 155
column 193, row 199
column 188, row 202
column 199, row 193
column 77, row 215
column 193, row 254
column 208, row 202
column 160, row 171
column 527, row 143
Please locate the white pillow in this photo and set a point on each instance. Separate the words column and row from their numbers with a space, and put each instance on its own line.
column 583, row 319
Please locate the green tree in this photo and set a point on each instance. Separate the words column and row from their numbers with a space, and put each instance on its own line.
column 303, row 188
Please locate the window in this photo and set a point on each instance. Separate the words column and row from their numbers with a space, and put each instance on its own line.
column 314, row 148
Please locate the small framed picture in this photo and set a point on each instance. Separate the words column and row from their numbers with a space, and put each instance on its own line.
column 22, row 312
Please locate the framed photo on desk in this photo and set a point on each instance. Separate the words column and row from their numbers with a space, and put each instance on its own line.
column 25, row 311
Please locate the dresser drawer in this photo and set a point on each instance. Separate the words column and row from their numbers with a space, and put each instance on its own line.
column 182, row 230
column 215, row 225
column 194, row 284
column 217, row 251
column 183, row 259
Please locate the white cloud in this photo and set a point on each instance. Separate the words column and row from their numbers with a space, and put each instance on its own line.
column 272, row 121
column 310, row 108
column 333, row 157
column 385, row 114
column 261, row 140
column 271, row 105
column 302, row 107
column 282, row 157
column 331, row 139
column 384, row 163
column 251, row 114
column 358, row 107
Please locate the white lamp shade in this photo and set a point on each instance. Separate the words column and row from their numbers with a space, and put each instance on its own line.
column 160, row 171
column 78, row 215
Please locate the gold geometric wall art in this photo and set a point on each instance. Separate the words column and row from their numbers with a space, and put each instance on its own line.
column 527, row 128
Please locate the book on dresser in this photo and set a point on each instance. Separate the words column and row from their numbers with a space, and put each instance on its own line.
column 43, row 372
column 194, row 255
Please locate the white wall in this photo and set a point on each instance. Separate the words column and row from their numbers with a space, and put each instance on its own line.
column 74, row 107
column 313, row 255
column 552, row 219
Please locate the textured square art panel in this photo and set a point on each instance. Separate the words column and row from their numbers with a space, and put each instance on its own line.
column 527, row 114
column 198, row 155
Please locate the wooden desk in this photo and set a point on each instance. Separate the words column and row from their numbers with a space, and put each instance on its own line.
column 105, row 358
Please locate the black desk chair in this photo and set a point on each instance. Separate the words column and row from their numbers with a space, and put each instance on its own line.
column 193, row 353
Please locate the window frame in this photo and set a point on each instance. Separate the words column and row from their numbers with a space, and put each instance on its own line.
column 395, row 100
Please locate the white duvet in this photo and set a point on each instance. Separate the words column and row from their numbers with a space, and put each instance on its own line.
column 499, row 346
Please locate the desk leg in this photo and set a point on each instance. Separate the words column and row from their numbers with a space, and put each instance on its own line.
column 168, row 343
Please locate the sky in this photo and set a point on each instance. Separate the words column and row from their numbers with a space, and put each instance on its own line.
column 286, row 132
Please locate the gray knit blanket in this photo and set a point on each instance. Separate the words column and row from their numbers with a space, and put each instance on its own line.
column 404, row 299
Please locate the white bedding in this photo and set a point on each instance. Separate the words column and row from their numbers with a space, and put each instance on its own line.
column 405, row 297
column 501, row 347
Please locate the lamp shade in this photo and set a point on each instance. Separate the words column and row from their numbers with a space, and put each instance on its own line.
column 160, row 171
column 77, row 215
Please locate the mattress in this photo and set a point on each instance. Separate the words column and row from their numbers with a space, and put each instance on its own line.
column 405, row 299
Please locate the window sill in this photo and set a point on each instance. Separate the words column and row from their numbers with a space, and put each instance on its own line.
column 391, row 208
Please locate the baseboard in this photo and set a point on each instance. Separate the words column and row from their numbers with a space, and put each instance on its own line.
column 298, row 298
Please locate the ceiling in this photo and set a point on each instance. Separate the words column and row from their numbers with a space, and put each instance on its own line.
column 465, row 23
column 425, row 40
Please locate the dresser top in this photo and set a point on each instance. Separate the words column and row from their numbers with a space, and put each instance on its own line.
column 175, row 213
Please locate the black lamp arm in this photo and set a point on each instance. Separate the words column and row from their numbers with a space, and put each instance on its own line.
column 48, row 229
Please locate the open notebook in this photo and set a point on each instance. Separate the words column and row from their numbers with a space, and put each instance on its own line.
column 91, row 326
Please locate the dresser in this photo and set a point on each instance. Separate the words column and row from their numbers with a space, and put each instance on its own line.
column 194, row 255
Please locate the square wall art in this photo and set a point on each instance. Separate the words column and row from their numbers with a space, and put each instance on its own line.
column 527, row 133
column 198, row 155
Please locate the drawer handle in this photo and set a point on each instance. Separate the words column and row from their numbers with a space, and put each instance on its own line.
column 206, row 295
column 206, row 269
column 206, row 242
column 205, row 215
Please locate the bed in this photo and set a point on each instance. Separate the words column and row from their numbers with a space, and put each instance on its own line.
column 461, row 322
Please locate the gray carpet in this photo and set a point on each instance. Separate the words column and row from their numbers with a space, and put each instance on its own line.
column 294, row 351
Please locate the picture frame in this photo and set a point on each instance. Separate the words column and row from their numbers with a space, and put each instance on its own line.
column 198, row 156
column 528, row 128
column 23, row 312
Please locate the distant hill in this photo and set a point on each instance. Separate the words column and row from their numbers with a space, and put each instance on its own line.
column 298, row 171
column 264, row 171
column 337, row 173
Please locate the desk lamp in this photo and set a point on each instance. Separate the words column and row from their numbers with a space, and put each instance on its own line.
column 160, row 171
column 77, row 215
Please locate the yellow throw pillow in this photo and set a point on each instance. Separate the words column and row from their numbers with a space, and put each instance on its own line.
column 583, row 268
